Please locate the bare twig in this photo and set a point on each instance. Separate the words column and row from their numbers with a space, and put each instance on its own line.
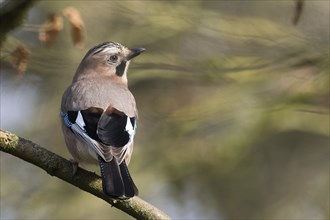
column 299, row 6
column 57, row 166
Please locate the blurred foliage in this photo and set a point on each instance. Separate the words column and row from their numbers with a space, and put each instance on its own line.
column 233, row 108
column 11, row 15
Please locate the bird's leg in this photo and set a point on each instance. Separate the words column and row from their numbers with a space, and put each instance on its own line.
column 74, row 166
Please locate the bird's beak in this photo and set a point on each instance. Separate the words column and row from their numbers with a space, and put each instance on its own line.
column 134, row 52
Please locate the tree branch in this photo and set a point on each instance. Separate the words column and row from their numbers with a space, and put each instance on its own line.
column 12, row 14
column 57, row 166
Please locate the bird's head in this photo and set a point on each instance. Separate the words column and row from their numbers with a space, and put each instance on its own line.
column 109, row 59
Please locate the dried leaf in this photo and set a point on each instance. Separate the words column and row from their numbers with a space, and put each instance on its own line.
column 20, row 58
column 298, row 11
column 50, row 29
column 77, row 26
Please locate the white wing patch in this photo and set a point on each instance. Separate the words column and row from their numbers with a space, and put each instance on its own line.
column 80, row 120
column 120, row 153
column 130, row 128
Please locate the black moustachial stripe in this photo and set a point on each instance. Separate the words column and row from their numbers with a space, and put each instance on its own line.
column 120, row 69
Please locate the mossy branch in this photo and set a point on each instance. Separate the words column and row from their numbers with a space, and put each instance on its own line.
column 56, row 165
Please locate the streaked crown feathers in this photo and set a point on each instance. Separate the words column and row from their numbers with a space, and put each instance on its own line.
column 105, row 46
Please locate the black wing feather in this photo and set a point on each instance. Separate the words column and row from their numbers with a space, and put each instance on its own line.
column 72, row 116
column 91, row 119
column 108, row 129
column 111, row 130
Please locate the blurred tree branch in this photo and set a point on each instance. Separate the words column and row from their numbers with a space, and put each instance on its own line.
column 57, row 166
column 12, row 14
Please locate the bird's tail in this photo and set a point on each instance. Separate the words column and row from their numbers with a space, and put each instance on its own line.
column 130, row 187
column 116, row 180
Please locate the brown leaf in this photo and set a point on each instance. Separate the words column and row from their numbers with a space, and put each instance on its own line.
column 50, row 29
column 77, row 26
column 20, row 58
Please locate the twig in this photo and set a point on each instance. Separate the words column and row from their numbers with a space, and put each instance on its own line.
column 299, row 6
column 57, row 166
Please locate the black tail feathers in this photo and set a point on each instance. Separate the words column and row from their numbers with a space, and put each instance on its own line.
column 116, row 180
column 130, row 188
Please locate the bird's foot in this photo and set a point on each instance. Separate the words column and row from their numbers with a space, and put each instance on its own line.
column 74, row 166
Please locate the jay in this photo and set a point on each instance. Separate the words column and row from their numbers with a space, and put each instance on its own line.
column 98, row 116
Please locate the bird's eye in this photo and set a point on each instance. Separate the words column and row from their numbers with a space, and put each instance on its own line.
column 113, row 58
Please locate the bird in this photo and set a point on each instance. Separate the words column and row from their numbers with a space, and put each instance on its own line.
column 98, row 116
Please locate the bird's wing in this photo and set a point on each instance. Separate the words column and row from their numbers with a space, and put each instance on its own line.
column 109, row 133
column 117, row 130
column 83, row 124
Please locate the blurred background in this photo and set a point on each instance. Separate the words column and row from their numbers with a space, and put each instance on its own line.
column 233, row 100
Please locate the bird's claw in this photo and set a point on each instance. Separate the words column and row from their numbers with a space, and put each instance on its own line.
column 74, row 166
